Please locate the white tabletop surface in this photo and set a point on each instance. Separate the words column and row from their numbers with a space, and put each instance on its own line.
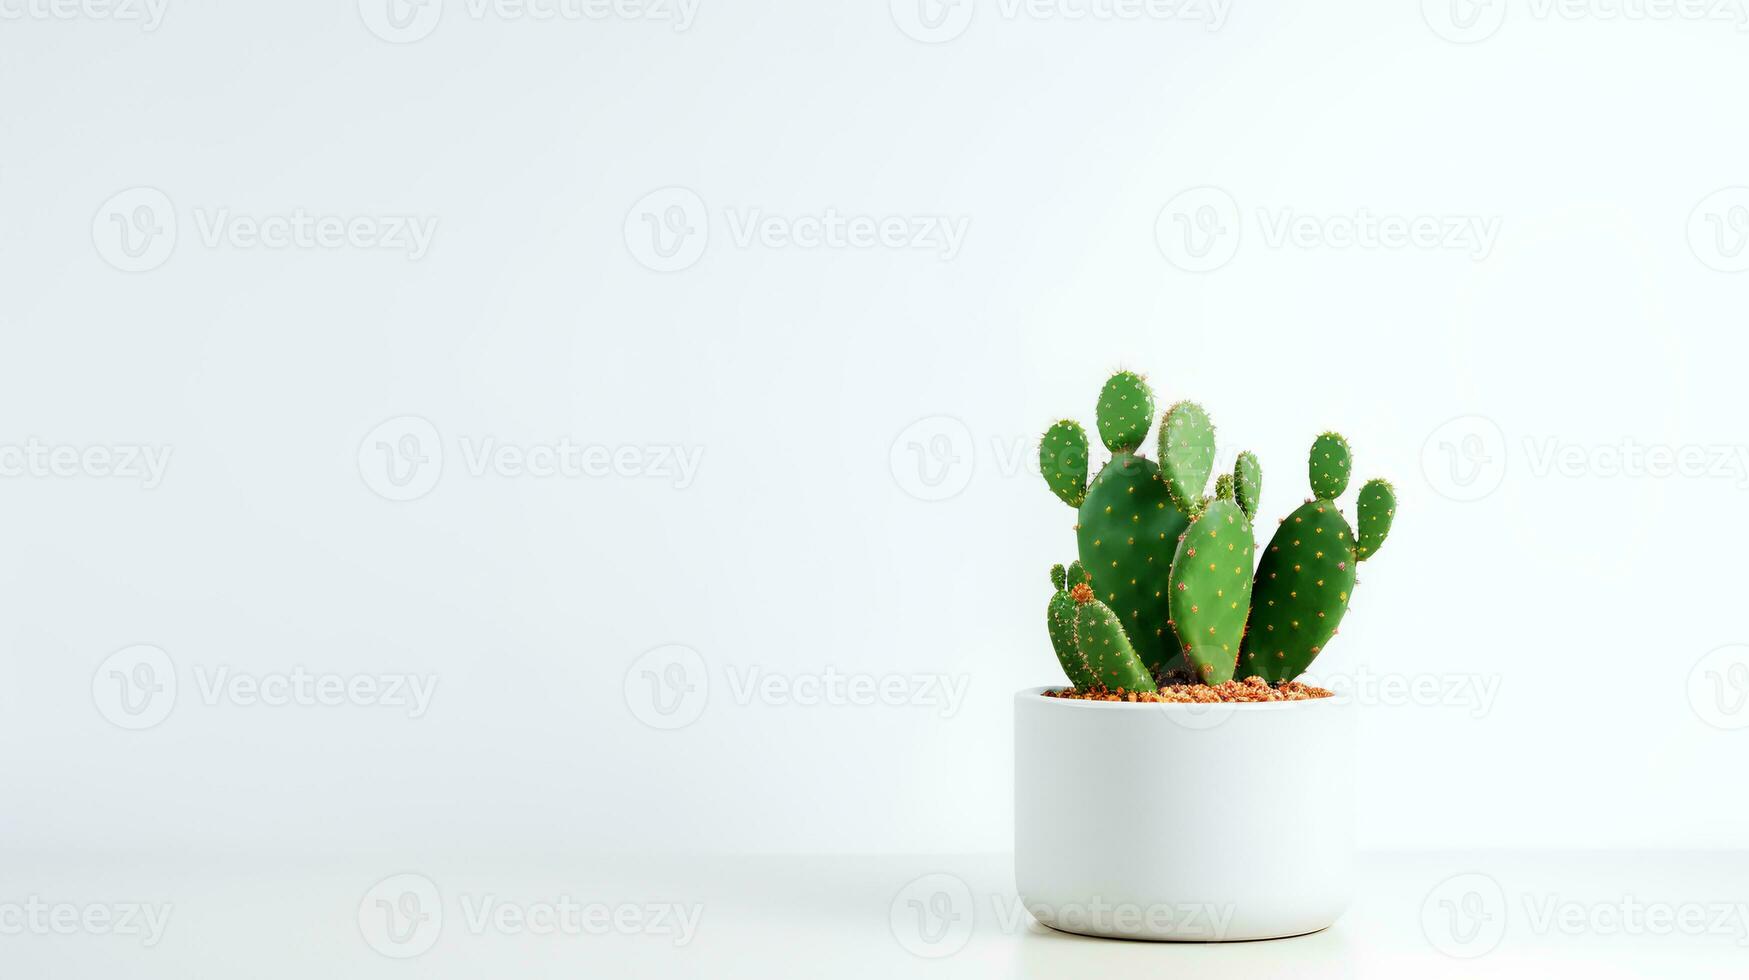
column 1594, row 915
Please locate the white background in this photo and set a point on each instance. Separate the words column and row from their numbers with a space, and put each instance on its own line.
column 831, row 393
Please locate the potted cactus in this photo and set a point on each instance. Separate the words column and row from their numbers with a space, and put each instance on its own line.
column 1221, row 786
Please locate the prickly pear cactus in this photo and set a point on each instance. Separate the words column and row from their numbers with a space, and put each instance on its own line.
column 1127, row 526
column 1378, row 505
column 1060, row 619
column 1062, row 457
column 1210, row 586
column 1187, row 454
column 1248, row 483
column 1103, row 645
column 1306, row 575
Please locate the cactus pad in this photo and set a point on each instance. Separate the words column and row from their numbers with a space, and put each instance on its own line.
column 1210, row 587
column 1126, row 536
column 1102, row 644
column 1126, row 410
column 1062, row 457
column 1248, row 483
column 1378, row 505
column 1060, row 620
column 1187, row 454
column 1304, row 579
column 1329, row 466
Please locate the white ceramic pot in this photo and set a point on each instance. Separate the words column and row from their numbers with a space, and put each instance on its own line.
column 1201, row 823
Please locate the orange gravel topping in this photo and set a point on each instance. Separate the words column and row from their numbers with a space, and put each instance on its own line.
column 1247, row 690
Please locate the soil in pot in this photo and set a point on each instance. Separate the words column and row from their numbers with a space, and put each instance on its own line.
column 1251, row 689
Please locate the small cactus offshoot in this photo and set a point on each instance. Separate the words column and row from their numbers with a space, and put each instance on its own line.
column 1170, row 578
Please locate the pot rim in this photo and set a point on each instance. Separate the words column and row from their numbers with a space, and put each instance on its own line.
column 1038, row 693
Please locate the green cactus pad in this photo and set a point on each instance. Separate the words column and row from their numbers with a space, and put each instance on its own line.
column 1126, row 410
column 1210, row 588
column 1062, row 457
column 1076, row 575
column 1224, row 487
column 1060, row 620
column 1378, row 505
column 1059, row 578
column 1304, row 579
column 1126, row 535
column 1106, row 649
column 1248, row 483
column 1187, row 454
column 1329, row 466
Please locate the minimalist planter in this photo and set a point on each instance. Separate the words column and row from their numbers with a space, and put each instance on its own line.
column 1186, row 822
